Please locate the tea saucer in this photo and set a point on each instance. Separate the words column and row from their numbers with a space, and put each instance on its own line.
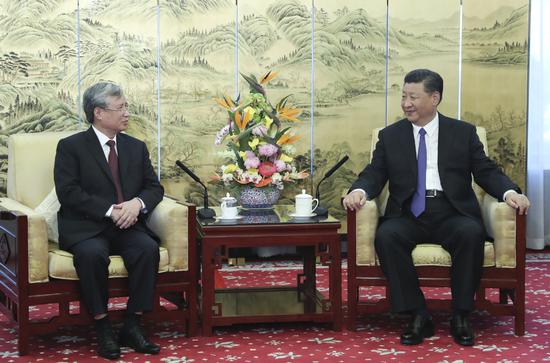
column 228, row 219
column 294, row 215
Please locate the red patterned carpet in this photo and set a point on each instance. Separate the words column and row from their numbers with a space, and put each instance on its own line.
column 375, row 341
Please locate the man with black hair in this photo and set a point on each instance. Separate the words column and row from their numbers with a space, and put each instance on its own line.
column 428, row 160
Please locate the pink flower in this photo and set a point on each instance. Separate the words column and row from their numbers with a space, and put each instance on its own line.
column 267, row 169
column 280, row 165
column 268, row 150
column 252, row 161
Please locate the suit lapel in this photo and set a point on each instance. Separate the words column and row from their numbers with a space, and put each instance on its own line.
column 96, row 151
column 408, row 148
column 123, row 158
column 444, row 143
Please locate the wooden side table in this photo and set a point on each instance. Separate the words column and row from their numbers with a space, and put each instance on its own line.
column 313, row 237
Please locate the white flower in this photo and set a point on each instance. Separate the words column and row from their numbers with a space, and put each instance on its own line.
column 289, row 149
column 220, row 136
column 227, row 178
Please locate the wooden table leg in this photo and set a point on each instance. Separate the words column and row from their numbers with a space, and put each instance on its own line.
column 335, row 283
column 208, row 287
column 310, row 283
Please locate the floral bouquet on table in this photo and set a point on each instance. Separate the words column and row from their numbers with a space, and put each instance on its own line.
column 260, row 154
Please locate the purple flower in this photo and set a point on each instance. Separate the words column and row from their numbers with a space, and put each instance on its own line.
column 280, row 165
column 259, row 130
column 268, row 150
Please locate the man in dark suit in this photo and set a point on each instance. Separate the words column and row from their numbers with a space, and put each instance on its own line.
column 107, row 187
column 428, row 160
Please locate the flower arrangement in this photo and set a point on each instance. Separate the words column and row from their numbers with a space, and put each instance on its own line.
column 259, row 149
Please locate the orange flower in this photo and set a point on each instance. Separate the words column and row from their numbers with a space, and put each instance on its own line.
column 268, row 77
column 288, row 113
column 226, row 102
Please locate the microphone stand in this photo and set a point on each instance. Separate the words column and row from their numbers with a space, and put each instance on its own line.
column 205, row 212
column 320, row 210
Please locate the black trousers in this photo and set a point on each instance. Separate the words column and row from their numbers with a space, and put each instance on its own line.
column 463, row 237
column 140, row 253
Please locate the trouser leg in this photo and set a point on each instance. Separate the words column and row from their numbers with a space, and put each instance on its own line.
column 140, row 253
column 463, row 238
column 395, row 239
column 91, row 261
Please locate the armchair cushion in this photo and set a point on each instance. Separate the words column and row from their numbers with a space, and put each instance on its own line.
column 61, row 264
column 48, row 208
column 169, row 221
column 428, row 254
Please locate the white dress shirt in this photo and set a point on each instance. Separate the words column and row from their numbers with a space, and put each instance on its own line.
column 103, row 142
column 432, row 138
column 103, row 139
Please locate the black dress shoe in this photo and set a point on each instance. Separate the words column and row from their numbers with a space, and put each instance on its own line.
column 419, row 328
column 107, row 346
column 133, row 337
column 462, row 331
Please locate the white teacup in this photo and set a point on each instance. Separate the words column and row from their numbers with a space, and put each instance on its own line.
column 229, row 207
column 305, row 204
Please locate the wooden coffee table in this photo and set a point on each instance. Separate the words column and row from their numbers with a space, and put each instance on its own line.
column 313, row 237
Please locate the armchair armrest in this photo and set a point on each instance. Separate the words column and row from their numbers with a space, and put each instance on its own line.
column 169, row 220
column 366, row 222
column 37, row 243
column 500, row 222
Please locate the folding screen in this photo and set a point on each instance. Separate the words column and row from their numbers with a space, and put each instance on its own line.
column 423, row 34
column 197, row 58
column 494, row 78
column 349, row 89
column 38, row 85
column 343, row 62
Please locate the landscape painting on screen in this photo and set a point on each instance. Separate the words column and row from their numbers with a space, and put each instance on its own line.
column 343, row 62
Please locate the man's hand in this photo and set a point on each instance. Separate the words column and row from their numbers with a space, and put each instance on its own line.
column 355, row 200
column 125, row 214
column 518, row 201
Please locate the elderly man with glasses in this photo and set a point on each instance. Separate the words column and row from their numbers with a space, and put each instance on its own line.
column 107, row 186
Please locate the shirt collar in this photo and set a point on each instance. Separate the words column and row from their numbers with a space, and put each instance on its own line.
column 102, row 137
column 431, row 127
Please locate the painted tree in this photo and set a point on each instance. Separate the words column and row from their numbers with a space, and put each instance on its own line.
column 11, row 65
column 505, row 154
column 65, row 53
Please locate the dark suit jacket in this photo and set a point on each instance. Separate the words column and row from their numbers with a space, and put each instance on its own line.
column 460, row 155
column 86, row 190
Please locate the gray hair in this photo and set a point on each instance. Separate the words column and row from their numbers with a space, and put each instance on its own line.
column 96, row 96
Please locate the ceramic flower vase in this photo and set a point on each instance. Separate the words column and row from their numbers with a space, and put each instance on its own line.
column 258, row 198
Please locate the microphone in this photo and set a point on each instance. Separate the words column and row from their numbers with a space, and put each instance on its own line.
column 203, row 213
column 322, row 211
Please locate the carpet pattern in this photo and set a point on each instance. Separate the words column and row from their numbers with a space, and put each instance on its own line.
column 377, row 338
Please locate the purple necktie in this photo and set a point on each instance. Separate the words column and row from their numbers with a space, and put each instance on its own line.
column 113, row 165
column 418, row 204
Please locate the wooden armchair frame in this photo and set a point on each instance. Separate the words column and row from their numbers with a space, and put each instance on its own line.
column 17, row 294
column 509, row 281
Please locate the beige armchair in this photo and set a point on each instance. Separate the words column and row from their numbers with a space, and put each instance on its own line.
column 504, row 262
column 34, row 271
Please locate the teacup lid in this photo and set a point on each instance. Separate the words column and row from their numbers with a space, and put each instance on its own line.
column 303, row 195
column 228, row 197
